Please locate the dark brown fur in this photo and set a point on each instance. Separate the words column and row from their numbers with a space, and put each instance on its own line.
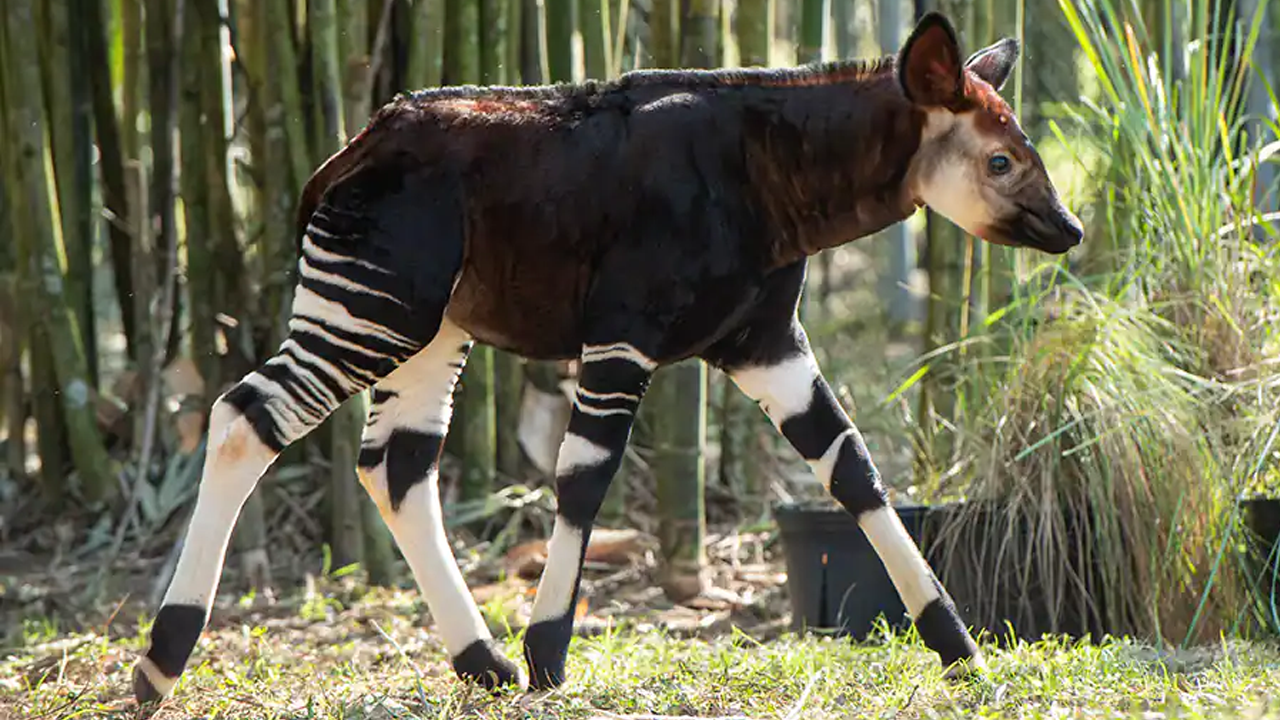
column 765, row 166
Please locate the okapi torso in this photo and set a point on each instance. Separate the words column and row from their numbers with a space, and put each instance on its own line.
column 682, row 190
column 628, row 224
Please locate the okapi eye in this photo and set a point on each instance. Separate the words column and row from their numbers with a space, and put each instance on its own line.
column 999, row 164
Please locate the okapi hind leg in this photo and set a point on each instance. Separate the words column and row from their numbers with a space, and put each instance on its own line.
column 778, row 370
column 399, row 466
column 371, row 293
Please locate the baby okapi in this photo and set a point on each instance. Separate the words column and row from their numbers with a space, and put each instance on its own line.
column 629, row 224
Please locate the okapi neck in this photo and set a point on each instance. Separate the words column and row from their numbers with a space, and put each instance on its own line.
column 830, row 162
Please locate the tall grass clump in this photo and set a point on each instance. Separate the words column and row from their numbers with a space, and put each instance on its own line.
column 1108, row 419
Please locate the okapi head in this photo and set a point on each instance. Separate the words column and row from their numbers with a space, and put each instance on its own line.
column 975, row 166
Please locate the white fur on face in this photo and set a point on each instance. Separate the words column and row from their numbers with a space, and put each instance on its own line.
column 948, row 172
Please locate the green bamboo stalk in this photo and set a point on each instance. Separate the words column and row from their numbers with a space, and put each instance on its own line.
column 194, row 178
column 323, row 30
column 426, row 51
column 346, row 531
column 533, row 43
column 755, row 31
column 20, row 334
column 162, row 66
column 353, row 48
column 462, row 47
column 111, row 163
column 13, row 414
column 230, row 276
column 664, row 31
column 69, row 143
column 476, row 435
column 508, row 388
column 46, row 252
column 515, row 36
column 280, row 32
column 597, row 39
column 561, row 17
column 813, row 25
column 700, row 34
column 679, row 435
column 494, row 16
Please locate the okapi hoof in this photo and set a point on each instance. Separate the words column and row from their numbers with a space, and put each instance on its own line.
column 546, row 648
column 150, row 685
column 481, row 663
column 966, row 670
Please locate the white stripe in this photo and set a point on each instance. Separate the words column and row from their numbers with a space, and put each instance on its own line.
column 555, row 589
column 576, row 452
column 319, row 390
column 310, row 248
column 289, row 416
column 824, row 466
column 600, row 412
column 626, row 351
column 902, row 559
column 328, row 278
column 307, row 303
column 783, row 390
column 607, row 396
column 162, row 684
column 324, row 366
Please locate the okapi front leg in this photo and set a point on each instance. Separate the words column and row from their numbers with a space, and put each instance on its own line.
column 611, row 383
column 399, row 466
column 792, row 391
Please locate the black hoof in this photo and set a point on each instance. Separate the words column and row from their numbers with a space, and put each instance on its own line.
column 146, row 693
column 481, row 663
column 546, row 647
column 966, row 670
column 546, row 678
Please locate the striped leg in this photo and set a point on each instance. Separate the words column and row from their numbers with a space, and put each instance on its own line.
column 611, row 383
column 354, row 320
column 399, row 464
column 792, row 392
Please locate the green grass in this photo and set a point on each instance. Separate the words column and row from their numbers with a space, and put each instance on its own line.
column 293, row 667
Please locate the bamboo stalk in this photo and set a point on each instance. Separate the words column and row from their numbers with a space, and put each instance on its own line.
column 45, row 251
column 69, row 144
column 426, row 52
column 561, row 19
column 111, row 162
column 596, row 38
column 493, row 19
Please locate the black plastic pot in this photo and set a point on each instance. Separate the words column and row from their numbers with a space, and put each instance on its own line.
column 1262, row 518
column 836, row 581
column 838, row 584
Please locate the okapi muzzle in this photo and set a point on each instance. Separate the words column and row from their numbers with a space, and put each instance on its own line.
column 975, row 165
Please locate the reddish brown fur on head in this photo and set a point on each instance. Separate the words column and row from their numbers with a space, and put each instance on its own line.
column 975, row 165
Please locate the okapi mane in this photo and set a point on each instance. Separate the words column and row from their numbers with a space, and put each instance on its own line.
column 813, row 74
column 818, row 73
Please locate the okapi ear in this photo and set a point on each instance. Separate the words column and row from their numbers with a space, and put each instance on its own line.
column 929, row 63
column 993, row 64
